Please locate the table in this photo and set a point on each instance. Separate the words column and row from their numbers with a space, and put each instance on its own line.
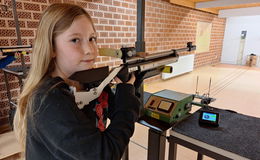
column 156, row 135
column 20, row 72
column 237, row 137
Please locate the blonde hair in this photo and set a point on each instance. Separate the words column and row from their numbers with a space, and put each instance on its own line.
column 54, row 21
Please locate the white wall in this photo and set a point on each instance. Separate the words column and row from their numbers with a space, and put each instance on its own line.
column 231, row 43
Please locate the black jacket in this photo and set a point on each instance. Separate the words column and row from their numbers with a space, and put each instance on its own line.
column 58, row 129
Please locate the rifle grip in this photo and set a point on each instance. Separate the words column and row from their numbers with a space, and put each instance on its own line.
column 124, row 75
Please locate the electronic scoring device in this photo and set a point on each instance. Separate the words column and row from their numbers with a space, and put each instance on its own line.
column 168, row 106
column 209, row 119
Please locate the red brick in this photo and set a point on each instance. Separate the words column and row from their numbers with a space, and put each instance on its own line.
column 109, row 40
column 14, row 41
column 82, row 4
column 112, row 22
column 108, row 15
column 103, row 34
column 108, row 28
column 31, row 7
column 117, row 28
column 125, row 5
column 98, row 14
column 103, row 21
column 112, row 9
column 27, row 33
column 7, row 33
column 120, row 10
column 32, row 24
column 36, row 16
column 2, row 23
column 41, row 1
column 54, row 1
column 112, row 34
column 116, row 3
column 117, row 16
column 93, row 6
column 69, row 1
column 24, row 15
column 11, row 23
column 103, row 8
column 108, row 2
column 7, row 14
column 4, row 42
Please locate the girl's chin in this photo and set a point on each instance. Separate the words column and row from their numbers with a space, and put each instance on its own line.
column 86, row 68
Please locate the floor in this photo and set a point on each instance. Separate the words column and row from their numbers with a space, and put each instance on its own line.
column 234, row 87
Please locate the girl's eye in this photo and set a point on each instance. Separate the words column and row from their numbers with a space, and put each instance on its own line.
column 93, row 39
column 75, row 40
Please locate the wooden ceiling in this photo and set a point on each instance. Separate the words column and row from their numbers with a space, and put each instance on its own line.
column 214, row 6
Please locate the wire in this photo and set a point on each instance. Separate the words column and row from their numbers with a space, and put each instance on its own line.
column 226, row 81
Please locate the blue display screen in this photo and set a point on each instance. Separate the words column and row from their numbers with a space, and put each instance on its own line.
column 209, row 117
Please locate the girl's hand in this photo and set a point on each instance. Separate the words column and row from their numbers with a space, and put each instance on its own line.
column 131, row 81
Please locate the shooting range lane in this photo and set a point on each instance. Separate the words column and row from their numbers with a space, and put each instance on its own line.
column 238, row 89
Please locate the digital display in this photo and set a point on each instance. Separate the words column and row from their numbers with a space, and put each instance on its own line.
column 209, row 116
column 164, row 105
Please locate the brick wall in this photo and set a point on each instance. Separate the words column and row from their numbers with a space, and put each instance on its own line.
column 170, row 26
column 167, row 26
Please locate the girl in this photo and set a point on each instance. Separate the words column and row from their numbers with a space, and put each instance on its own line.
column 48, row 122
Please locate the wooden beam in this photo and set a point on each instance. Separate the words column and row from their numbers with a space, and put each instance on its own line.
column 251, row 11
column 190, row 4
column 185, row 3
column 211, row 10
column 223, row 3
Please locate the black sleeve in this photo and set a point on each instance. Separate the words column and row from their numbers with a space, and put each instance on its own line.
column 68, row 134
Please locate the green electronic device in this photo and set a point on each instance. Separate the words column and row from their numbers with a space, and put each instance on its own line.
column 168, row 106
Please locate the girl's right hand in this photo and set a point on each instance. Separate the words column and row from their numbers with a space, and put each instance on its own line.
column 131, row 80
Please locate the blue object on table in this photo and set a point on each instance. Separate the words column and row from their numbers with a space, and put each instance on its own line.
column 5, row 61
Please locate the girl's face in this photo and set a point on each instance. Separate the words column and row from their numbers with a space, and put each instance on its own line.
column 76, row 48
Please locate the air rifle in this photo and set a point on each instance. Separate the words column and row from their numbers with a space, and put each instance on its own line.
column 142, row 65
column 11, row 50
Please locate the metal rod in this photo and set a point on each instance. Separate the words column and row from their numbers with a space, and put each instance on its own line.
column 196, row 92
column 140, row 43
column 18, row 32
column 209, row 86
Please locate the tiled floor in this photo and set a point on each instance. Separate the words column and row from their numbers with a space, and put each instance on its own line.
column 235, row 87
column 8, row 145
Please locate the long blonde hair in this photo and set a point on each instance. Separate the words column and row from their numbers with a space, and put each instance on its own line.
column 55, row 20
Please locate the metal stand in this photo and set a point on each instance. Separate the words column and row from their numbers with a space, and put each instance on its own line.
column 156, row 145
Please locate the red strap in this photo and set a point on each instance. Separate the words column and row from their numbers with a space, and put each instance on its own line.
column 102, row 103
